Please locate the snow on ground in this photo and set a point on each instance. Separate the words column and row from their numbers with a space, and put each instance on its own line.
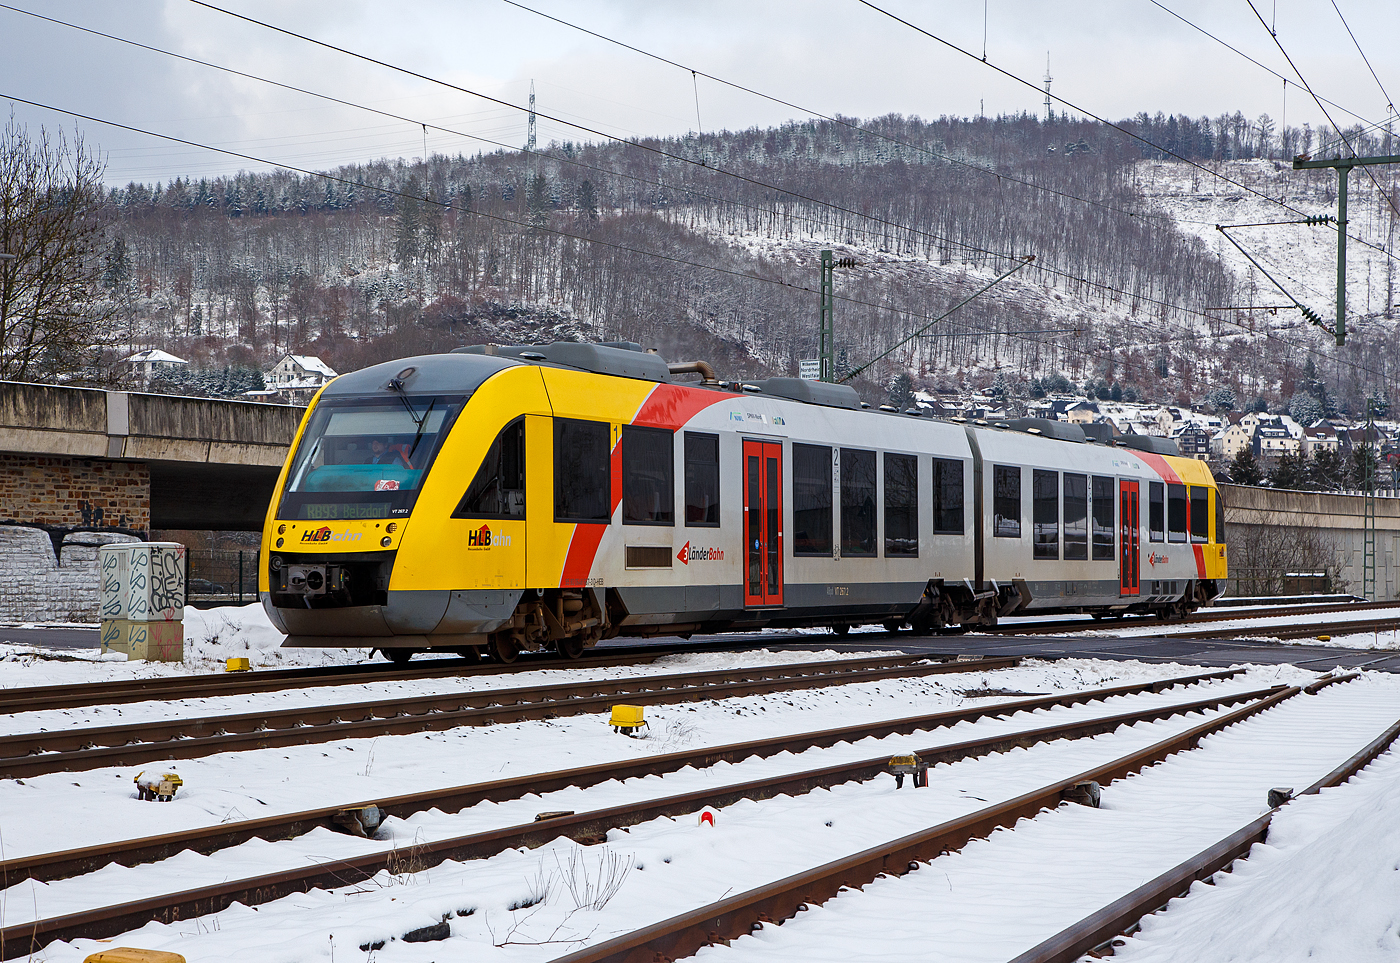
column 258, row 857
column 245, row 785
column 1000, row 896
column 536, row 905
column 1324, row 887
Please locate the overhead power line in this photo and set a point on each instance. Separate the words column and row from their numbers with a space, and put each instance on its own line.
column 831, row 118
column 871, row 218
column 1102, row 120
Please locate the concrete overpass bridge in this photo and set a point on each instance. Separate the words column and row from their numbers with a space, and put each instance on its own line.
column 84, row 458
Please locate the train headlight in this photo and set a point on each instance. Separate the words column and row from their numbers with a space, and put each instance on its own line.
column 276, row 561
column 281, row 529
column 279, row 543
column 386, row 541
column 392, row 527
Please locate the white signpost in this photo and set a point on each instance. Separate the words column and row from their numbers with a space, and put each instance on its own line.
column 809, row 369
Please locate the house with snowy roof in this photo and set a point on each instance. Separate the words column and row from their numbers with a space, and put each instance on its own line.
column 297, row 377
column 144, row 366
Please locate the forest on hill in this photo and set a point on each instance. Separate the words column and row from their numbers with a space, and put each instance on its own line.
column 707, row 246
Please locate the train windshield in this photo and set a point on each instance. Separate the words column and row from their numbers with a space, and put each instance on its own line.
column 366, row 458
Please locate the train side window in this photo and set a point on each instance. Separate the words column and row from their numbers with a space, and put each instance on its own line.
column 582, row 471
column 498, row 490
column 648, row 476
column 701, row 480
column 1200, row 513
column 1076, row 516
column 901, row 505
column 1006, row 501
column 1176, row 513
column 1103, row 502
column 1156, row 511
column 857, row 502
column 1219, row 516
column 811, row 500
column 947, row 497
column 1045, row 512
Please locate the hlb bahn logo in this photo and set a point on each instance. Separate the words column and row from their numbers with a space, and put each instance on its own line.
column 326, row 535
column 688, row 554
column 1154, row 558
column 483, row 537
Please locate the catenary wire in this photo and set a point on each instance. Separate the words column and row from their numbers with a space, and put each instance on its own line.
column 1107, row 123
column 830, row 118
column 871, row 218
column 1335, row 126
column 1063, row 274
column 521, row 224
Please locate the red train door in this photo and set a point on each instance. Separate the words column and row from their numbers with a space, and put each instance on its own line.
column 1129, row 539
column 763, row 523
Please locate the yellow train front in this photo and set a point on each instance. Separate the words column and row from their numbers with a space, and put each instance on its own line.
column 499, row 500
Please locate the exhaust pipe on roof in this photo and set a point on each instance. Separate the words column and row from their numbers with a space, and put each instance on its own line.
column 701, row 368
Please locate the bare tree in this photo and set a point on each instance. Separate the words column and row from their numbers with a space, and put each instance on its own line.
column 53, row 314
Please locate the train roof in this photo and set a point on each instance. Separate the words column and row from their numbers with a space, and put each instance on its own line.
column 463, row 370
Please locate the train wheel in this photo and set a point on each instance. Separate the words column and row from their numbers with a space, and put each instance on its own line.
column 841, row 629
column 504, row 649
column 893, row 626
column 471, row 653
column 571, row 648
column 397, row 656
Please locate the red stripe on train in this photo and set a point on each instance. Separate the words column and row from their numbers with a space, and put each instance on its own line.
column 667, row 406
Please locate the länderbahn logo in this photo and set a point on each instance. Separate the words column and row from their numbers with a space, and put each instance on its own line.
column 688, row 554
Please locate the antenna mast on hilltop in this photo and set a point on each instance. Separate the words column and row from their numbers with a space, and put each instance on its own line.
column 530, row 130
column 1049, row 115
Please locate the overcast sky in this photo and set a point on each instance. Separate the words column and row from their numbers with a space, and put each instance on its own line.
column 1109, row 57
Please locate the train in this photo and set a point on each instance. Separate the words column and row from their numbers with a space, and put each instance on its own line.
column 495, row 500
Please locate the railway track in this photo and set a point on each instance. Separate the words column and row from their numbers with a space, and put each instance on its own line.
column 123, row 691
column 1207, row 616
column 207, row 840
column 34, row 753
column 1098, row 930
column 586, row 827
column 733, row 917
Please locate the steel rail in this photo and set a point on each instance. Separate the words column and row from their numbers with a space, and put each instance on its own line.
column 1289, row 631
column 728, row 919
column 34, row 753
column 30, row 698
column 1123, row 915
column 1207, row 616
column 588, row 828
column 46, row 867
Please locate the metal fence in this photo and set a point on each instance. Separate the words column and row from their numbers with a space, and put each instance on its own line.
column 222, row 577
column 1248, row 584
